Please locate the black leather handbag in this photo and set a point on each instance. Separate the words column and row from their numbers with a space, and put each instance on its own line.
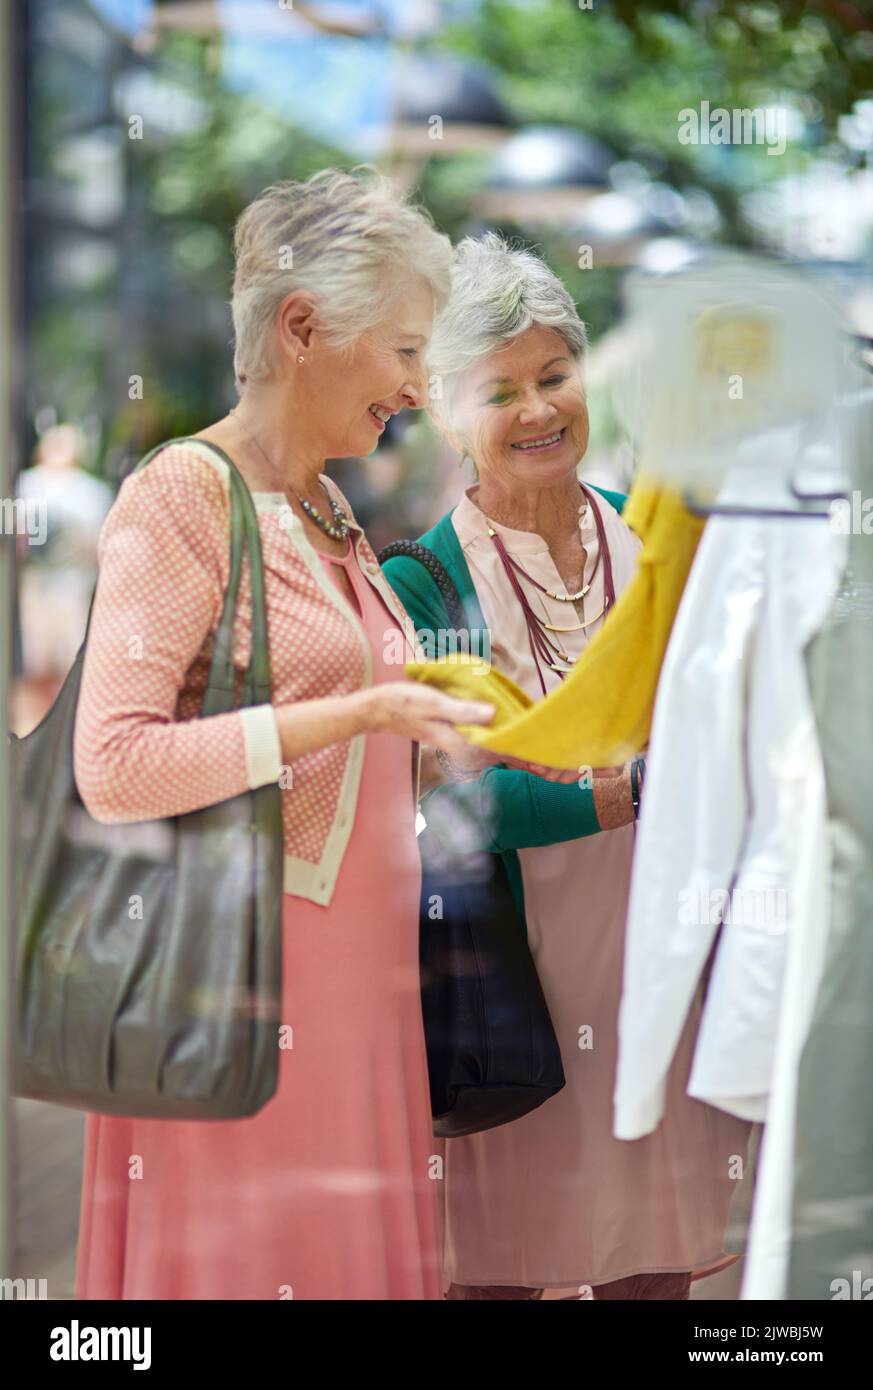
column 492, row 1054
column 149, row 966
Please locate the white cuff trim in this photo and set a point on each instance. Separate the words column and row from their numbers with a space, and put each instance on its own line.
column 263, row 749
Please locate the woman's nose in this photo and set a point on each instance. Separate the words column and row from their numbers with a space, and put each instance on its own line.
column 536, row 410
column 414, row 391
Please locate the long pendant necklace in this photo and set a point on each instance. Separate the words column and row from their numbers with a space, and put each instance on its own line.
column 542, row 647
column 576, row 627
column 338, row 529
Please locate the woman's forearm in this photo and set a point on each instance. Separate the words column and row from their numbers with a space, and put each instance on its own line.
column 306, row 726
column 612, row 800
column 516, row 810
column 403, row 708
column 505, row 809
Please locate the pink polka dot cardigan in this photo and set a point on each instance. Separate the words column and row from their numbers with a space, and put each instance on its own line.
column 140, row 752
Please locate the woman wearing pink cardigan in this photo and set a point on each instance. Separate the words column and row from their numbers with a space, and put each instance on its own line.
column 330, row 1191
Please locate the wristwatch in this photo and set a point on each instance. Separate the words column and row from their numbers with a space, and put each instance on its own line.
column 637, row 779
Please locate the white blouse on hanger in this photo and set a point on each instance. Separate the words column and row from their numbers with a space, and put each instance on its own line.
column 726, row 795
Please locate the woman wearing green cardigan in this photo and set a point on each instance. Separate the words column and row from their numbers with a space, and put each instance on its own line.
column 523, row 810
column 551, row 1200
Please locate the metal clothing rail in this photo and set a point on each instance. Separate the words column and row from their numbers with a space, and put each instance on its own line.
column 788, row 513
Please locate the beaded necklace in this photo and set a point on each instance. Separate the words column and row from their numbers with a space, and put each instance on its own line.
column 338, row 529
column 542, row 646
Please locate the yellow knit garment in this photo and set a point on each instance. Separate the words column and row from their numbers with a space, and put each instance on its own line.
column 601, row 714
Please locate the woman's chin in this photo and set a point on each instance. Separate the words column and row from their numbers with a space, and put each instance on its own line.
column 361, row 446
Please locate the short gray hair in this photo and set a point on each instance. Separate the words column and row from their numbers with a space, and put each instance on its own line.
column 498, row 291
column 336, row 234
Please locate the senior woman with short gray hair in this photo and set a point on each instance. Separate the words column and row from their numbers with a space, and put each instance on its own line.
column 552, row 1200
column 325, row 1193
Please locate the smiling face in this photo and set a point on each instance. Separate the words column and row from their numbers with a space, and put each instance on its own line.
column 353, row 393
column 521, row 411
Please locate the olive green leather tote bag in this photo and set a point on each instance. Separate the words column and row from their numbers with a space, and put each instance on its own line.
column 148, row 965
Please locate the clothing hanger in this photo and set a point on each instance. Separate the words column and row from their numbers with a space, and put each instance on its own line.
column 792, row 513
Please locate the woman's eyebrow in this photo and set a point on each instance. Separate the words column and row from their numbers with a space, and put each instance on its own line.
column 413, row 337
column 498, row 380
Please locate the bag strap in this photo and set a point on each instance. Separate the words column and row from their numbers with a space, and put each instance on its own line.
column 414, row 550
column 257, row 684
column 244, row 531
column 218, row 696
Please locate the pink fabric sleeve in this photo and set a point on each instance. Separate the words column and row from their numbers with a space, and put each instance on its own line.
column 163, row 556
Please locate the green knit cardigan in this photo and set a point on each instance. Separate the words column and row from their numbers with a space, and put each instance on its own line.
column 511, row 810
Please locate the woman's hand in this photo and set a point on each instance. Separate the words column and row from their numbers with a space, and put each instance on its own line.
column 416, row 712
column 422, row 714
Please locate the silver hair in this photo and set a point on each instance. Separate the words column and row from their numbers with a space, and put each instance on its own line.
column 338, row 235
column 498, row 292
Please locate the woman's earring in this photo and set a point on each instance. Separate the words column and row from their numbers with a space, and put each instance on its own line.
column 301, row 359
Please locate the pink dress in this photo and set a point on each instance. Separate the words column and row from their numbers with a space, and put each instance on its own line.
column 330, row 1191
